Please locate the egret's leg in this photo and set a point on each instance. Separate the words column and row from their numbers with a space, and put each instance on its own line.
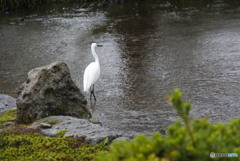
column 92, row 93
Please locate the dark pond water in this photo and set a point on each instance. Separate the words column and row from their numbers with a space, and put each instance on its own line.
column 149, row 49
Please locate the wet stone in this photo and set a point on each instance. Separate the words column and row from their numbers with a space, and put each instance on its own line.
column 6, row 103
column 45, row 125
column 94, row 133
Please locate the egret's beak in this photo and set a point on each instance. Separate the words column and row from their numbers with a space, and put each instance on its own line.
column 99, row 46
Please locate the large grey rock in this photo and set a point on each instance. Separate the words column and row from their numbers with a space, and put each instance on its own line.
column 94, row 133
column 6, row 103
column 48, row 91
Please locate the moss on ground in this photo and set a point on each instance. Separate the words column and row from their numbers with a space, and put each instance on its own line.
column 18, row 143
column 22, row 144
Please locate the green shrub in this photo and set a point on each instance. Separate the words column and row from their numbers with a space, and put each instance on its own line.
column 193, row 141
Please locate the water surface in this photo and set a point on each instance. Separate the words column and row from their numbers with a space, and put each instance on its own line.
column 149, row 49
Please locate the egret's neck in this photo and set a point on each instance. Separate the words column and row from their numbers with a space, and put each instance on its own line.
column 94, row 54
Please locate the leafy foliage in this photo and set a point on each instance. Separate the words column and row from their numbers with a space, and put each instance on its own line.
column 183, row 109
column 193, row 141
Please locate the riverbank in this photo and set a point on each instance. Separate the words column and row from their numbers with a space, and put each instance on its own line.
column 195, row 140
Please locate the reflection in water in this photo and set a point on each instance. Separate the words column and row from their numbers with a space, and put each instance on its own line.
column 149, row 49
column 92, row 105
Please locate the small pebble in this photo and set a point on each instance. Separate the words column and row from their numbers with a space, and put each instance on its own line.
column 45, row 125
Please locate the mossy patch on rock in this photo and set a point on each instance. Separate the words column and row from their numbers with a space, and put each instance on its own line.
column 52, row 122
column 7, row 117
column 61, row 133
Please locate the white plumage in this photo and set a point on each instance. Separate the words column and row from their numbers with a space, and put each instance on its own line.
column 91, row 73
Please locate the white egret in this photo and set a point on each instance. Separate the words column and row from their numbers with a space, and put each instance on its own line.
column 92, row 73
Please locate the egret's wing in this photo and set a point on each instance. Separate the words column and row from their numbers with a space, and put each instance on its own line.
column 91, row 75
